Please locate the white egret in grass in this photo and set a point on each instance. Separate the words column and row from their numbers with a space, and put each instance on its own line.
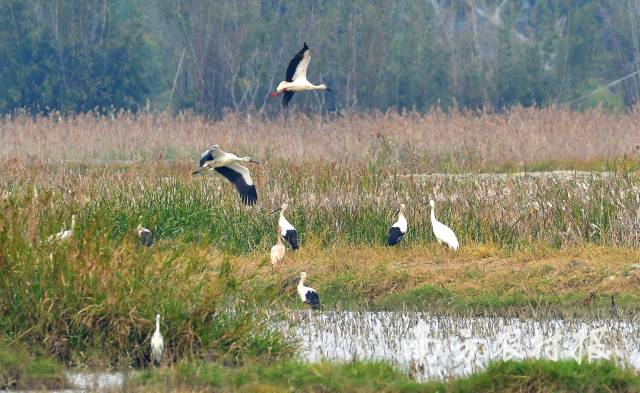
column 227, row 164
column 399, row 228
column 286, row 229
column 296, row 77
column 64, row 235
column 157, row 343
column 443, row 233
column 277, row 251
column 308, row 295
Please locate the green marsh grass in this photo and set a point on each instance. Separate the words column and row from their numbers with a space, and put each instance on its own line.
column 502, row 377
column 21, row 370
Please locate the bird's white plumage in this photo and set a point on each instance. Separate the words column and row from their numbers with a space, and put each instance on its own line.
column 277, row 251
column 301, row 70
column 402, row 221
column 244, row 171
column 142, row 231
column 157, row 343
column 283, row 223
column 443, row 233
column 64, row 234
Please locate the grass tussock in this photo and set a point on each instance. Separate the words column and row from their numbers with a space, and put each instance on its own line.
column 436, row 141
column 503, row 377
column 21, row 370
column 90, row 300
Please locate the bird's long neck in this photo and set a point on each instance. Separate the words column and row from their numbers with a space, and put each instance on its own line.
column 433, row 214
column 157, row 325
column 73, row 223
column 401, row 216
column 279, row 238
column 301, row 283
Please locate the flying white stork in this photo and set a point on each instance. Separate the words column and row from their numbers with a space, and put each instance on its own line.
column 308, row 295
column 296, row 78
column 286, row 229
column 157, row 343
column 399, row 228
column 443, row 233
column 277, row 251
column 64, row 235
column 227, row 164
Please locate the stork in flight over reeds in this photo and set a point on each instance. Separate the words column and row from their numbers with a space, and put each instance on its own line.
column 227, row 164
column 296, row 78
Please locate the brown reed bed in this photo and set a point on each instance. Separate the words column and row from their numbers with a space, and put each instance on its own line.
column 420, row 142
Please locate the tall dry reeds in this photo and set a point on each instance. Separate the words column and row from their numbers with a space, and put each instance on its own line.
column 462, row 140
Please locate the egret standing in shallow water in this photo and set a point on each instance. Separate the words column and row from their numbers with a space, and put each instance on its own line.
column 277, row 251
column 443, row 233
column 308, row 295
column 227, row 164
column 157, row 343
column 296, row 78
column 286, row 229
column 399, row 228
column 64, row 234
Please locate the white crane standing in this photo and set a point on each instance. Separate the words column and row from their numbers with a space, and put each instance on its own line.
column 296, row 78
column 308, row 295
column 399, row 228
column 287, row 230
column 443, row 233
column 227, row 164
column 157, row 343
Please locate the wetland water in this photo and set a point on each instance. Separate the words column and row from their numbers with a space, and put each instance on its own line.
column 437, row 347
column 430, row 347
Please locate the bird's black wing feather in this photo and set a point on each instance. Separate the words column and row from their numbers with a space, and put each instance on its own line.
column 247, row 192
column 291, row 236
column 207, row 156
column 146, row 238
column 313, row 299
column 286, row 98
column 395, row 235
column 293, row 64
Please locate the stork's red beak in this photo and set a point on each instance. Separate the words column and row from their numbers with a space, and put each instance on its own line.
column 274, row 94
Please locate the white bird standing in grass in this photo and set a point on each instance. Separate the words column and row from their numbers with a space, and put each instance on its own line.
column 296, row 78
column 145, row 235
column 399, row 228
column 157, row 343
column 64, row 234
column 443, row 233
column 308, row 295
column 277, row 251
column 286, row 229
column 227, row 164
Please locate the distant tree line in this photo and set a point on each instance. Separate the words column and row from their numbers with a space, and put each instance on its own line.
column 216, row 56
